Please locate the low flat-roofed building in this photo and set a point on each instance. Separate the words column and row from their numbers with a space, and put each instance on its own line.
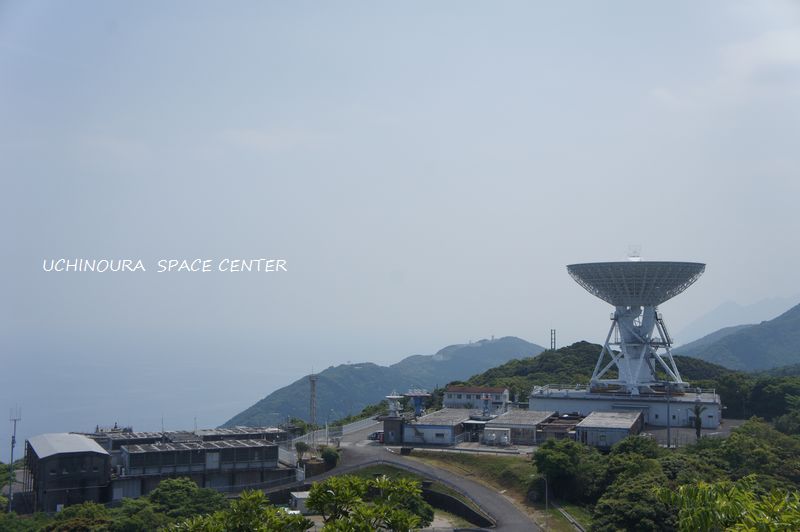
column 222, row 465
column 522, row 425
column 297, row 501
column 114, row 440
column 443, row 427
column 65, row 469
column 473, row 397
column 655, row 407
column 558, row 427
column 604, row 429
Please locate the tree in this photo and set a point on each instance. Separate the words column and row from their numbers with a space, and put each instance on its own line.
column 788, row 423
column 641, row 445
column 86, row 517
column 757, row 448
column 179, row 498
column 251, row 512
column 698, row 419
column 630, row 502
column 11, row 522
column 355, row 504
column 138, row 515
column 330, row 457
column 574, row 471
column 336, row 497
column 733, row 506
column 302, row 448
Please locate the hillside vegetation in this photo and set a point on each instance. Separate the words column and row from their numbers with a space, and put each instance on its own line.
column 346, row 389
column 631, row 487
column 743, row 394
column 574, row 364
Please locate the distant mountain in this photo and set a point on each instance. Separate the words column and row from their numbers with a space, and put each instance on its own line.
column 706, row 341
column 346, row 389
column 733, row 314
column 767, row 345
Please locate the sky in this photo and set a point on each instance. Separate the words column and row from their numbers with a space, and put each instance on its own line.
column 426, row 169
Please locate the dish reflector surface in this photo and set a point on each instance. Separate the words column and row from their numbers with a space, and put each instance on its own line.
column 636, row 283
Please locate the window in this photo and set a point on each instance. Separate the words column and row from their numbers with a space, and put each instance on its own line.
column 656, row 416
column 228, row 455
column 458, row 396
column 439, row 435
column 449, row 395
column 673, row 416
column 468, row 396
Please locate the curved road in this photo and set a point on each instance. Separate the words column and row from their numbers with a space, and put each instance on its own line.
column 359, row 453
column 505, row 514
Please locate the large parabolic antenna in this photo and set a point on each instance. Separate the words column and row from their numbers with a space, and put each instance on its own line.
column 637, row 331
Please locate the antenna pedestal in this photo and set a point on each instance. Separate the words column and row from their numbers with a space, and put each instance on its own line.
column 633, row 345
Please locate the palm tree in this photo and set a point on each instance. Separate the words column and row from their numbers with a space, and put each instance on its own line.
column 698, row 419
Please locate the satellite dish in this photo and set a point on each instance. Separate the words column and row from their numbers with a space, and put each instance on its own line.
column 638, row 331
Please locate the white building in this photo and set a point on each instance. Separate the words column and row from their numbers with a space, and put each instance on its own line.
column 604, row 429
column 476, row 397
column 522, row 426
column 443, row 427
column 678, row 407
column 297, row 501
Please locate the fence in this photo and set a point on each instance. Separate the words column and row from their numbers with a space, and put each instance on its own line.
column 287, row 454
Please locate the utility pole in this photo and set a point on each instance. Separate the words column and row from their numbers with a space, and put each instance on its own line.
column 312, row 407
column 546, row 503
column 14, row 417
column 669, row 416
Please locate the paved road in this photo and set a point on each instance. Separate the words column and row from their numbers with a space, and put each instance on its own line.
column 505, row 514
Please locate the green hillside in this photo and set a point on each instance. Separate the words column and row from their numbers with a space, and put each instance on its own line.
column 710, row 339
column 767, row 345
column 346, row 389
column 574, row 364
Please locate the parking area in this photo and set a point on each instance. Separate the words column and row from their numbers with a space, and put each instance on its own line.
column 681, row 436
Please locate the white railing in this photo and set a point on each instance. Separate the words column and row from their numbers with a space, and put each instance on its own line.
column 287, row 457
column 359, row 425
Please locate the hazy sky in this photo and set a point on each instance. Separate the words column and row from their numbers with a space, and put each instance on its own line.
column 427, row 170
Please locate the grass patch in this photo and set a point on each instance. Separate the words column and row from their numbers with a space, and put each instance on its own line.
column 551, row 519
column 389, row 471
column 512, row 473
column 450, row 520
column 581, row 514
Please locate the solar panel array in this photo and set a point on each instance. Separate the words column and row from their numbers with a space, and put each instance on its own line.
column 196, row 446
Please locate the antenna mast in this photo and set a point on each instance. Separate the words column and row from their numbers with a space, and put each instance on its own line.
column 14, row 416
column 312, row 407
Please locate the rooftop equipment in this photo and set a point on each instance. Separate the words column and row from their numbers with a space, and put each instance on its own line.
column 394, row 404
column 417, row 396
column 637, row 332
